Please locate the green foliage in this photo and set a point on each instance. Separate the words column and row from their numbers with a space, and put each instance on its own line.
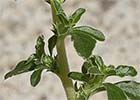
column 131, row 89
column 37, row 62
column 93, row 71
column 75, row 17
column 35, row 77
column 114, row 92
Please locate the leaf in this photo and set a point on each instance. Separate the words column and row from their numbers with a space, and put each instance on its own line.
column 93, row 33
column 109, row 70
column 86, row 66
column 84, row 44
column 93, row 65
column 51, row 43
column 78, row 76
column 58, row 7
column 124, row 70
column 94, row 70
column 47, row 61
column 99, row 61
column 114, row 92
column 131, row 88
column 82, row 96
column 35, row 77
column 75, row 17
column 40, row 46
column 21, row 67
column 63, row 18
column 95, row 81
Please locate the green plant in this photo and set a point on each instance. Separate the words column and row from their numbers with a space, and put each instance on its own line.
column 94, row 71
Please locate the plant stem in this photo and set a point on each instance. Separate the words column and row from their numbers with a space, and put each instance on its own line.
column 64, row 70
column 62, row 61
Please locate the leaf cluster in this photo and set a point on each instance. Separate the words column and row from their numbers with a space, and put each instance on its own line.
column 92, row 80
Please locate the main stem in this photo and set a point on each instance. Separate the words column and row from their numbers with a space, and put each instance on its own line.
column 64, row 70
column 62, row 62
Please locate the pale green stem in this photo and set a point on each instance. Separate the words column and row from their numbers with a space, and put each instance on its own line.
column 64, row 70
column 62, row 62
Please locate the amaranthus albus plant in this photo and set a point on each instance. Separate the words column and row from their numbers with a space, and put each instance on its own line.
column 93, row 71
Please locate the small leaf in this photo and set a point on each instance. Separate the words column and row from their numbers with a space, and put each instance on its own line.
column 93, row 65
column 95, row 81
column 93, row 33
column 84, row 44
column 47, row 61
column 114, row 92
column 94, row 70
column 35, row 77
column 75, row 17
column 99, row 61
column 51, row 43
column 82, row 96
column 124, row 70
column 21, row 67
column 131, row 88
column 109, row 70
column 58, row 6
column 63, row 18
column 78, row 76
column 86, row 66
column 40, row 46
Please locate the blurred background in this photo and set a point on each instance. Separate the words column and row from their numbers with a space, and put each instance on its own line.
column 21, row 21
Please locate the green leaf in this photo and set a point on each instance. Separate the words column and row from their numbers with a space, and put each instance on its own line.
column 75, row 17
column 89, row 31
column 95, row 81
column 58, row 7
column 63, row 18
column 114, row 92
column 51, row 43
column 47, row 61
column 86, row 66
column 94, row 70
column 40, row 46
column 81, row 96
column 99, row 61
column 35, row 77
column 93, row 65
column 109, row 70
column 131, row 88
column 124, row 70
column 21, row 67
column 78, row 76
column 83, row 44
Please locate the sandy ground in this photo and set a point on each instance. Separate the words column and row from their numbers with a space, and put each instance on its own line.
column 22, row 21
